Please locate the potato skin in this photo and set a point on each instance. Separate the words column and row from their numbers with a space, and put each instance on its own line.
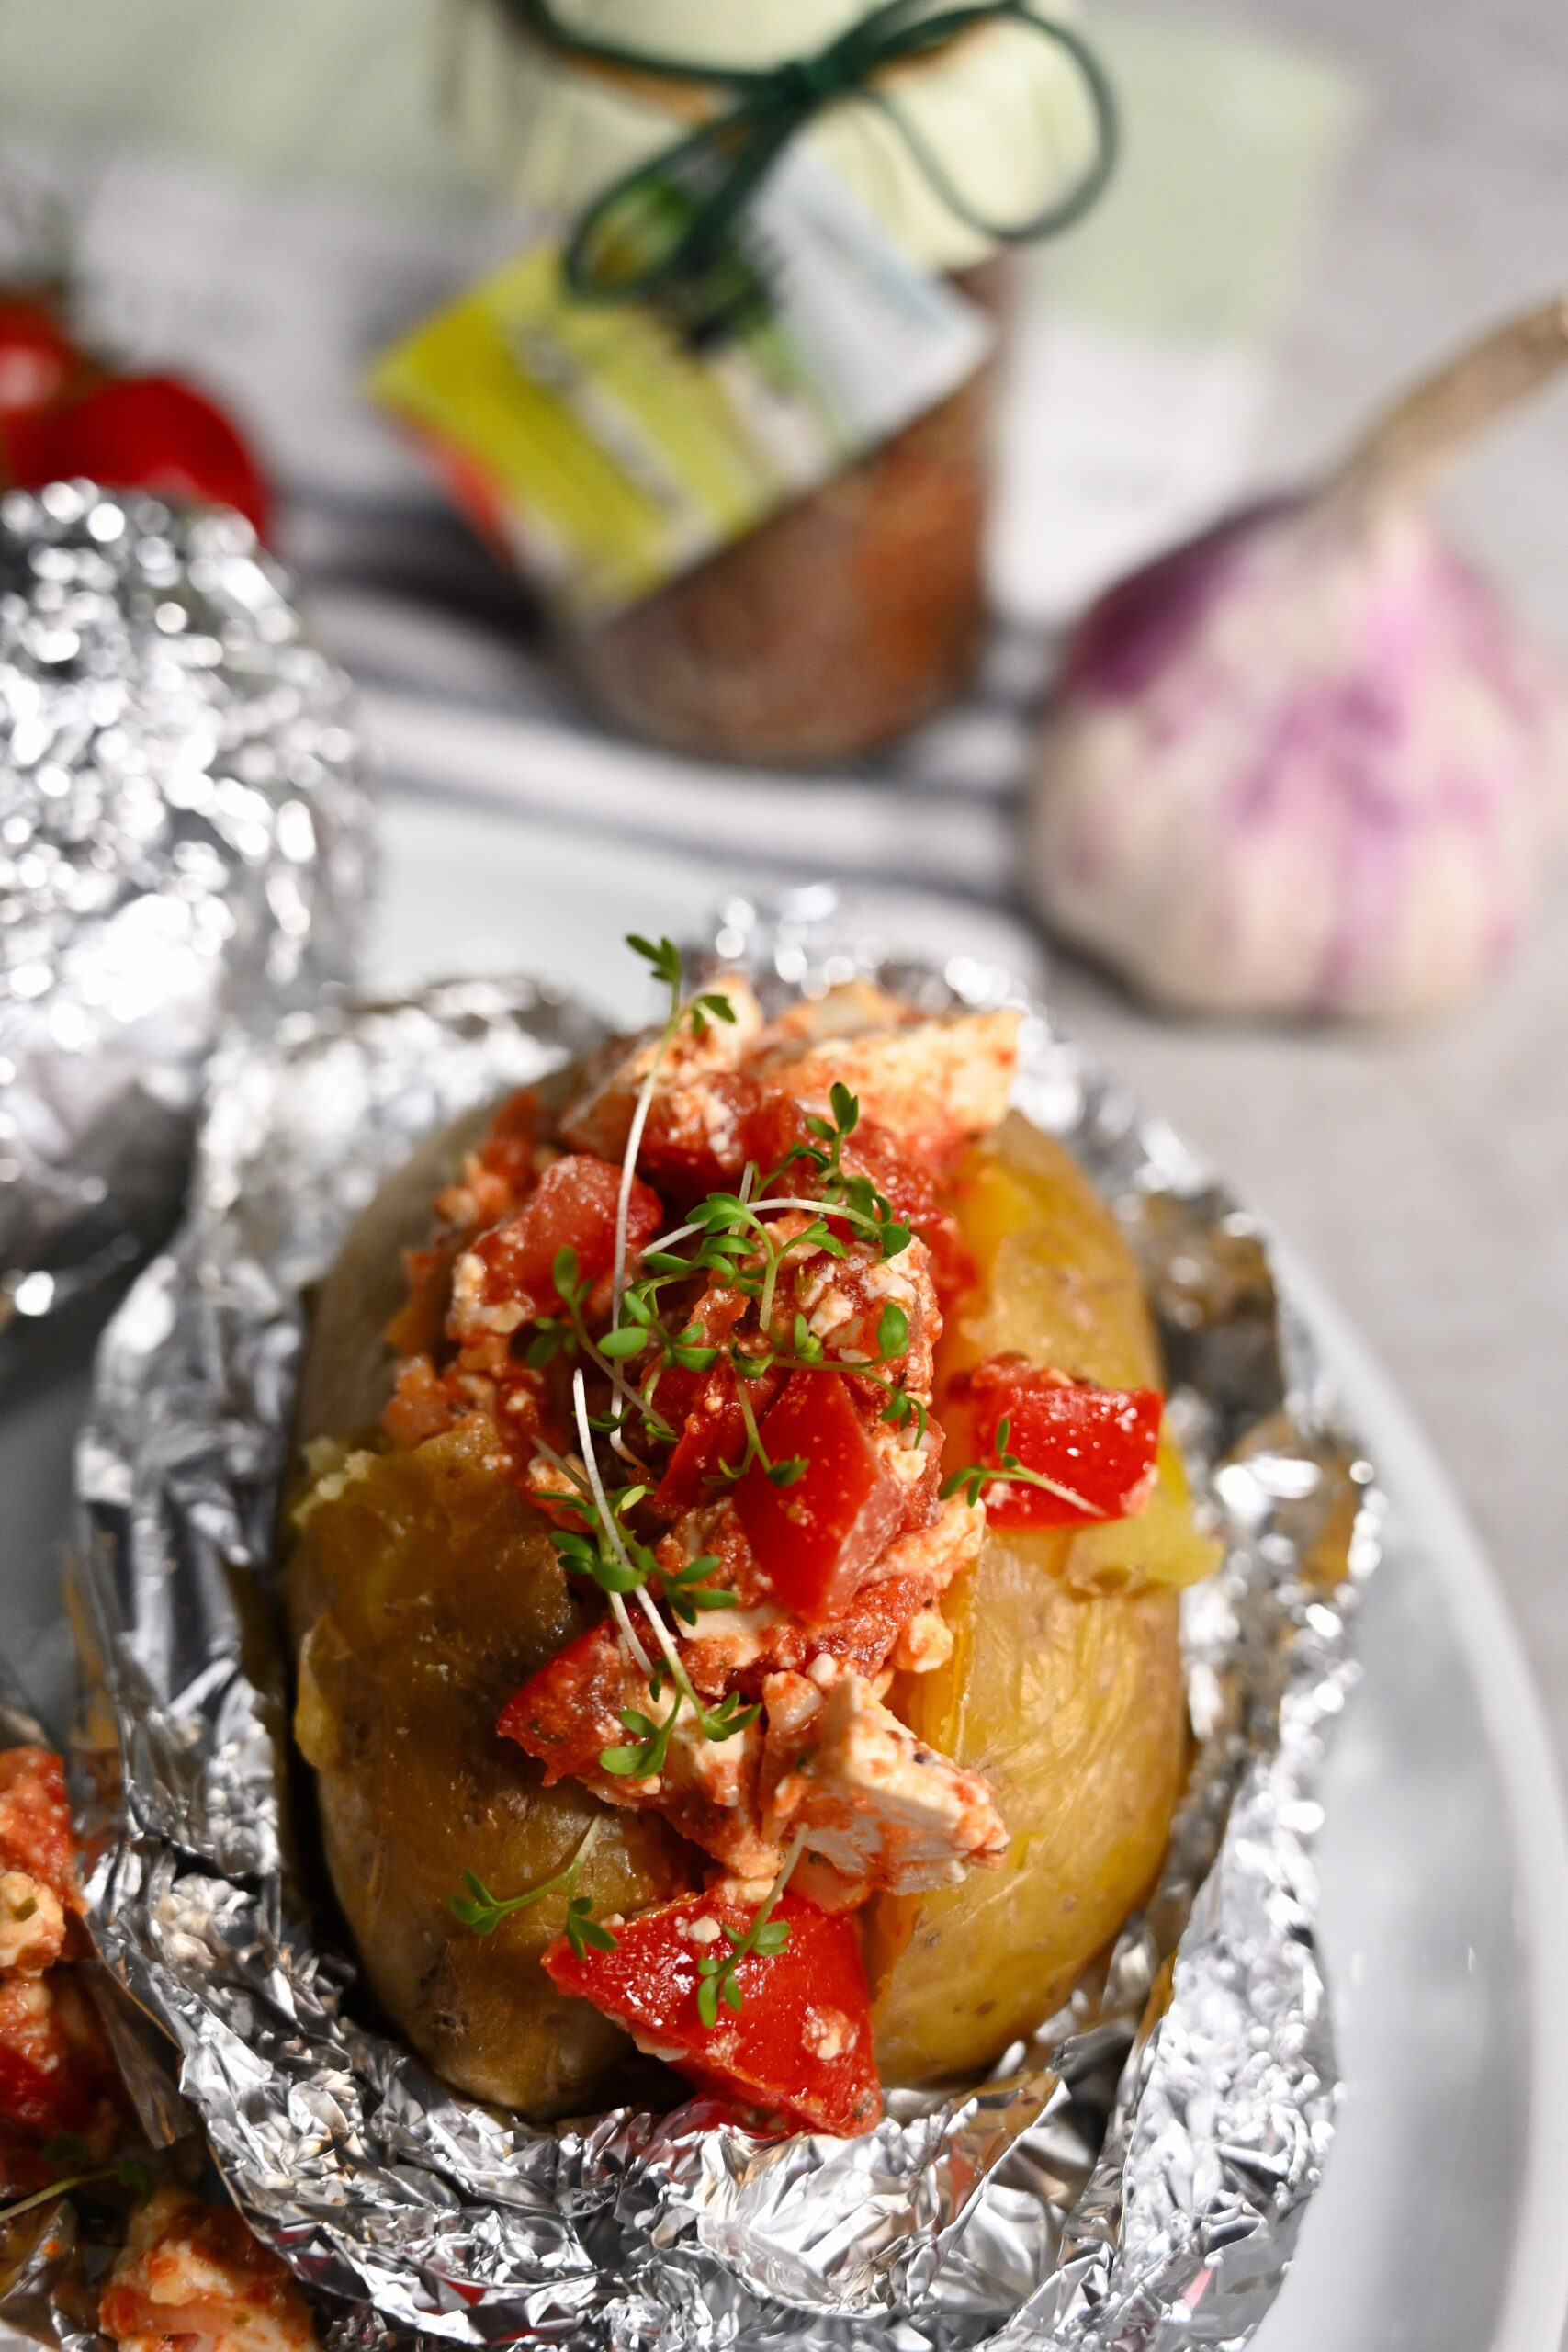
column 1070, row 1702
column 423, row 1589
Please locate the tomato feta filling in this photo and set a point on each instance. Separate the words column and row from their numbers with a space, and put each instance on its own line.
column 792, row 2040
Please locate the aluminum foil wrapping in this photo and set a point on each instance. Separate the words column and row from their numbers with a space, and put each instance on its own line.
column 182, row 845
column 1135, row 2176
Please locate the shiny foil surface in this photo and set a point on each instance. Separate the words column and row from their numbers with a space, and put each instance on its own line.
column 1134, row 2176
column 182, row 846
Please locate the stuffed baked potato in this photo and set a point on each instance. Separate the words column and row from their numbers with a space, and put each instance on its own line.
column 663, row 1679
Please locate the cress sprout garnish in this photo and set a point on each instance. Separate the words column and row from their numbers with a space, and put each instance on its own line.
column 973, row 1480
column 127, row 2171
column 482, row 1912
column 764, row 1936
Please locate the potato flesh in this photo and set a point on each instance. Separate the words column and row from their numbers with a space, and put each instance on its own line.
column 1069, row 1701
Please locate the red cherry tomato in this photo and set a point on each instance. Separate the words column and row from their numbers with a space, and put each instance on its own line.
column 799, row 2043
column 144, row 432
column 815, row 1537
column 1100, row 1444
column 36, row 360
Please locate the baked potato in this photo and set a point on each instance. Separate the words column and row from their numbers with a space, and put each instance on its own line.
column 428, row 1596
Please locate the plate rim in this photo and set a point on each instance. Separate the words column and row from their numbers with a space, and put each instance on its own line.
column 1513, row 1715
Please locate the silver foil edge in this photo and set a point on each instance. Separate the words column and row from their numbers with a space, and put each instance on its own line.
column 1138, row 2181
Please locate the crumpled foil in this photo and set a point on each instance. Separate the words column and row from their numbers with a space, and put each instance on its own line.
column 1135, row 2176
column 182, row 845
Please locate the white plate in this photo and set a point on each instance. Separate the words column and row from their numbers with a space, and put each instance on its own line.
column 1444, row 1859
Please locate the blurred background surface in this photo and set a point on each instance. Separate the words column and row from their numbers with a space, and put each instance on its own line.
column 1318, row 199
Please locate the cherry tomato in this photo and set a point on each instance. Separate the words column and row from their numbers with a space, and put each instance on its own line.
column 1101, row 1443
column 37, row 360
column 143, row 432
column 799, row 2043
column 573, row 1208
column 815, row 1537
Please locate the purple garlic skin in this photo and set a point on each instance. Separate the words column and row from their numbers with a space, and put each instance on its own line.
column 1305, row 765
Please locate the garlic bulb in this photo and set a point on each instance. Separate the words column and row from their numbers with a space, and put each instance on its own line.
column 1309, row 763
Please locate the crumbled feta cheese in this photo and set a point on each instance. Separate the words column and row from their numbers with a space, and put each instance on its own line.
column 876, row 1802
column 826, row 2033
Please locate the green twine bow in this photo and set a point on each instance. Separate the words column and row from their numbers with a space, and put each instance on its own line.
column 671, row 219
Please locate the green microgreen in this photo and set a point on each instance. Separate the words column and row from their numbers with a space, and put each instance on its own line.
column 646, row 1756
column 688, row 1593
column 482, row 1913
column 718, row 1979
column 663, row 958
column 584, row 1930
column 972, row 1481
column 127, row 2171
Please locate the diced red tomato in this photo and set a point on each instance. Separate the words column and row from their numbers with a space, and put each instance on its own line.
column 912, row 1194
column 34, row 2100
column 697, row 1138
column 1102, row 1443
column 573, row 1206
column 815, row 1538
column 37, row 360
column 55, row 2070
column 564, row 1715
column 704, row 1407
column 143, row 432
column 799, row 2046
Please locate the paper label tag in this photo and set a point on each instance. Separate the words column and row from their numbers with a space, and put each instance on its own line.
column 608, row 455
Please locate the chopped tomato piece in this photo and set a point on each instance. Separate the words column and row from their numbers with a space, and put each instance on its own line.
column 1101, row 1443
column 508, row 1149
column 32, row 2099
column 143, row 433
column 697, row 1139
column 799, row 2045
column 567, row 1712
column 55, row 2070
column 703, row 1406
column 815, row 1538
column 573, row 1208
column 912, row 1194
